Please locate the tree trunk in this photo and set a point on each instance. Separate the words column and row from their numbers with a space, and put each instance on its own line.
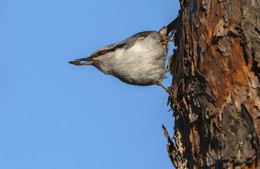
column 215, row 90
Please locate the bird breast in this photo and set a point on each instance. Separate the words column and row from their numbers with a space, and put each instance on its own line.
column 141, row 64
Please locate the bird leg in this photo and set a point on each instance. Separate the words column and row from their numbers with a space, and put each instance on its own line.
column 171, row 34
column 166, row 89
column 168, row 38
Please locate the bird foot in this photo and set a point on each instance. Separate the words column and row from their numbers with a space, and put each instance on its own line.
column 166, row 89
column 168, row 38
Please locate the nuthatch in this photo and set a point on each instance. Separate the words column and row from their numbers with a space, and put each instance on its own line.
column 137, row 60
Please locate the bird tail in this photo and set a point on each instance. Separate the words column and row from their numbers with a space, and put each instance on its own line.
column 82, row 61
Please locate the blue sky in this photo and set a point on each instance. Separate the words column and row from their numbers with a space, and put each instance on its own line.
column 54, row 115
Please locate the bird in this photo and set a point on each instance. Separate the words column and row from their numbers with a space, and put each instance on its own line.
column 138, row 60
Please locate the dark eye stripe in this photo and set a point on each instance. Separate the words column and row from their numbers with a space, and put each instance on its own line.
column 102, row 52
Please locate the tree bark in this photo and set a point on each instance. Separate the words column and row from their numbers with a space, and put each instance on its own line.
column 215, row 90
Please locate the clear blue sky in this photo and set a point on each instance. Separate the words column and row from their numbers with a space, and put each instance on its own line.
column 54, row 115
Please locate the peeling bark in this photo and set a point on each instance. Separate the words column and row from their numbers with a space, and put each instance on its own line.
column 215, row 89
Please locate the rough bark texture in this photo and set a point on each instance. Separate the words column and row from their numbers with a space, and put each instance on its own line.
column 215, row 89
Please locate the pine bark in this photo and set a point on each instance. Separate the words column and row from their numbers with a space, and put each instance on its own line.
column 215, row 90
